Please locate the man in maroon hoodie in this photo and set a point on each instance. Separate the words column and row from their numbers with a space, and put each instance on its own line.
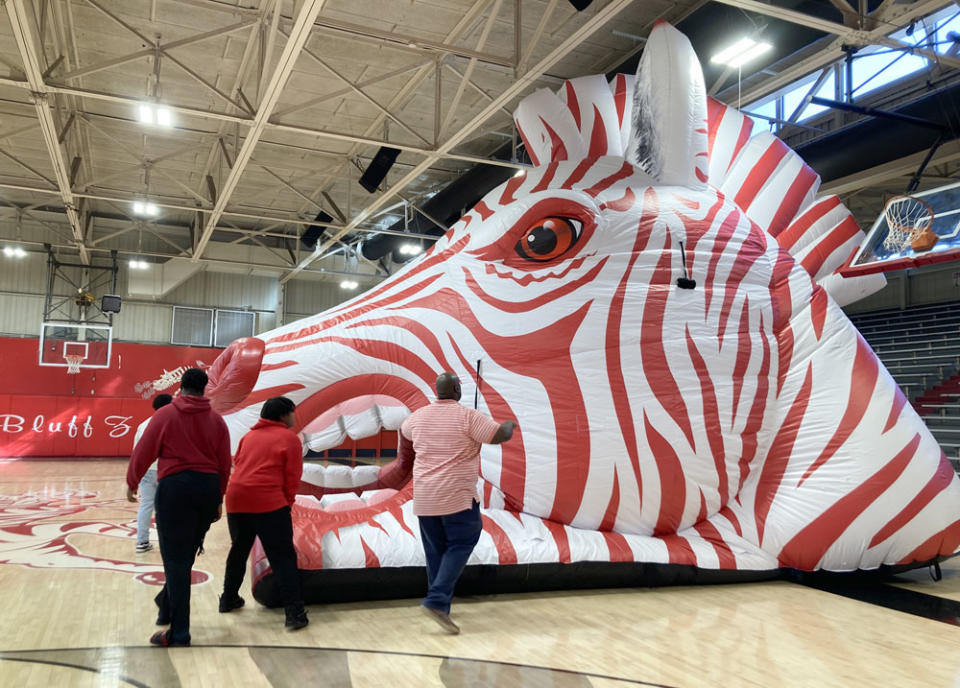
column 263, row 487
column 192, row 446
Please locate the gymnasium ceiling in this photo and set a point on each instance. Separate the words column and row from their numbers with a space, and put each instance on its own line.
column 278, row 105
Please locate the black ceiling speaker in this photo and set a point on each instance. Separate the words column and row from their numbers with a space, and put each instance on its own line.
column 378, row 168
column 110, row 303
column 581, row 5
column 313, row 232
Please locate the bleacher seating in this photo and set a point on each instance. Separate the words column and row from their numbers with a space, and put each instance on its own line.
column 920, row 346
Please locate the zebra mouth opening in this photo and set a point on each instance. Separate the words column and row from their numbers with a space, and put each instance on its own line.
column 356, row 418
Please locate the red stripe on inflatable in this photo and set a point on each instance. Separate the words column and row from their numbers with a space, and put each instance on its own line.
column 746, row 130
column 618, row 385
column 944, row 543
column 513, row 454
column 276, row 366
column 513, row 185
column 757, row 410
column 819, row 210
column 782, row 303
column 711, row 419
column 558, row 151
column 620, row 98
column 653, row 354
column 806, row 548
column 724, row 234
column 264, row 394
column 610, row 515
column 579, row 172
column 728, row 514
column 791, row 203
column 744, row 349
column 679, row 550
column 559, row 534
column 697, row 229
column 673, row 487
column 622, row 204
column 834, row 239
column 702, row 514
column 541, row 300
column 617, row 546
column 709, row 532
column 715, row 110
column 483, row 210
column 746, row 258
column 771, row 474
column 760, row 173
column 940, row 481
column 371, row 561
column 899, row 401
column 863, row 380
column 818, row 310
column 506, row 554
column 572, row 103
column 546, row 178
column 414, row 327
column 598, row 136
column 625, row 171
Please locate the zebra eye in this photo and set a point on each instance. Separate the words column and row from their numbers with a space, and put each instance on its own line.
column 548, row 239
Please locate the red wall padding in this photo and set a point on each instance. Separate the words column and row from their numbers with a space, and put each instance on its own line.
column 46, row 412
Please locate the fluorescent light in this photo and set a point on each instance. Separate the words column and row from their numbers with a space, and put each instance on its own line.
column 146, row 114
column 144, row 208
column 139, row 265
column 348, row 284
column 741, row 52
column 14, row 252
column 155, row 114
column 410, row 249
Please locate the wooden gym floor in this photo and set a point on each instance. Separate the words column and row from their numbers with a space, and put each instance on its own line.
column 76, row 611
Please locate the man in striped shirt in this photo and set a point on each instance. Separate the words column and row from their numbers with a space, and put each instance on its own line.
column 444, row 439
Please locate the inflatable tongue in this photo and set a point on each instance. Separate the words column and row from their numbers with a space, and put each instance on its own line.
column 657, row 303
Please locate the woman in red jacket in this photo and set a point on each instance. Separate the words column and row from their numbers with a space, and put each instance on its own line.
column 262, row 488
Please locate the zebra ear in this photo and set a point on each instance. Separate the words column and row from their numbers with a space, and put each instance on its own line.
column 668, row 137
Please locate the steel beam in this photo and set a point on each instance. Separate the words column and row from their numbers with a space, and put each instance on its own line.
column 898, row 16
column 23, row 34
column 586, row 30
column 299, row 34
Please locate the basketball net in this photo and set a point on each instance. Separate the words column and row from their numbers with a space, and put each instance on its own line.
column 907, row 218
column 73, row 363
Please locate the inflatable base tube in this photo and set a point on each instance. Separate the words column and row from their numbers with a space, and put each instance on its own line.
column 356, row 585
column 353, row 585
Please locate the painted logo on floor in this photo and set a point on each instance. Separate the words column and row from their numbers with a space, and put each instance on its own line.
column 36, row 530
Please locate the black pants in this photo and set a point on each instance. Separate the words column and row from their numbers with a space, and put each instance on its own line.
column 186, row 506
column 275, row 530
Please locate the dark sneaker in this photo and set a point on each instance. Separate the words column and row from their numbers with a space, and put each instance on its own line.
column 296, row 621
column 228, row 604
column 443, row 619
column 143, row 547
column 163, row 639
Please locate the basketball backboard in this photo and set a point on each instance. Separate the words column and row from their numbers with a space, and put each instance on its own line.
column 93, row 342
column 873, row 256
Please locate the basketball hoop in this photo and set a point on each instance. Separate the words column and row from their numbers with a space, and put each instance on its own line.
column 73, row 363
column 908, row 223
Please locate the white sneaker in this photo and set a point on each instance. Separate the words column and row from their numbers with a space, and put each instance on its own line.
column 143, row 547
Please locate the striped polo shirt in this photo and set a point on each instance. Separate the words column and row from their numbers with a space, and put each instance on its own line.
column 446, row 440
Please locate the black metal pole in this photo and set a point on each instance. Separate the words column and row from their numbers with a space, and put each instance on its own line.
column 476, row 391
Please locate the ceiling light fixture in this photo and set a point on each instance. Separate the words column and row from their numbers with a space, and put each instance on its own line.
column 139, row 264
column 410, row 249
column 741, row 52
column 348, row 284
column 14, row 252
column 145, row 209
column 155, row 114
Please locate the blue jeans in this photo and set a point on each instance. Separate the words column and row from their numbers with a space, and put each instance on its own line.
column 448, row 542
column 148, row 492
